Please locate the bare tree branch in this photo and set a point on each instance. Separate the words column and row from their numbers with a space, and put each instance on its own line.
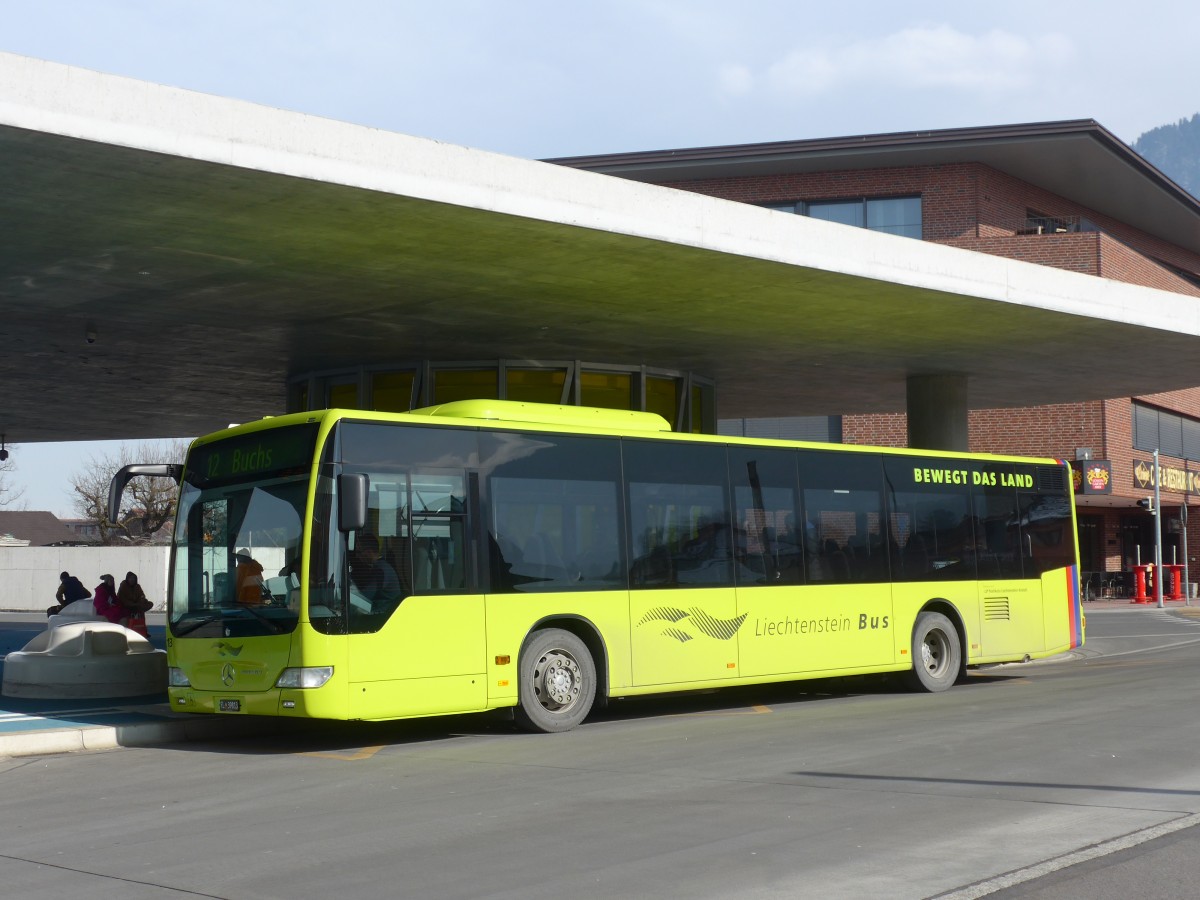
column 148, row 504
column 9, row 493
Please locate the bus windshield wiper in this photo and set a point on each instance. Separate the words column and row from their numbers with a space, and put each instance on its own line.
column 266, row 620
column 183, row 628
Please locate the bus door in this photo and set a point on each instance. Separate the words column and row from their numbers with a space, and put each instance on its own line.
column 416, row 623
column 843, row 618
column 1011, row 622
column 846, row 619
column 684, row 620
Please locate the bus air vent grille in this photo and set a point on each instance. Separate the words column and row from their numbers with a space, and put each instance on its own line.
column 1052, row 479
column 996, row 609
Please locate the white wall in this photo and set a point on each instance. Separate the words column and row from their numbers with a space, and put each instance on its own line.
column 29, row 575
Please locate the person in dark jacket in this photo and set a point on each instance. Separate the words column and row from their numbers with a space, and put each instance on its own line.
column 131, row 596
column 69, row 590
column 134, row 605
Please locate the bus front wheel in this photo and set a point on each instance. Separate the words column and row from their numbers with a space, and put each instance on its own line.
column 557, row 682
column 936, row 653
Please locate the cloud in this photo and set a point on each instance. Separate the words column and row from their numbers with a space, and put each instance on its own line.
column 929, row 57
column 734, row 80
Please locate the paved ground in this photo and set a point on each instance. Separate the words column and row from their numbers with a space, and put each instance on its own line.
column 36, row 727
column 1149, row 862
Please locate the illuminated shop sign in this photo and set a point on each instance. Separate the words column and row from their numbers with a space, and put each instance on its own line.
column 1092, row 476
column 1181, row 481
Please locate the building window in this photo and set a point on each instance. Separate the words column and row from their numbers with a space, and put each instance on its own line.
column 662, row 397
column 392, row 391
column 535, row 385
column 341, row 394
column 893, row 215
column 465, row 384
column 1040, row 223
column 1169, row 433
column 608, row 390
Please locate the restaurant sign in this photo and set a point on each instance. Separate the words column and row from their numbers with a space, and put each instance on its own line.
column 1181, row 481
column 1091, row 476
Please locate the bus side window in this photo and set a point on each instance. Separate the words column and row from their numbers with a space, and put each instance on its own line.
column 680, row 527
column 843, row 517
column 439, row 550
column 552, row 513
column 998, row 538
column 770, row 547
column 397, row 554
column 1047, row 539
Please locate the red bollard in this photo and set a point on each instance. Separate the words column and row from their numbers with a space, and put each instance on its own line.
column 1175, row 581
column 1140, row 574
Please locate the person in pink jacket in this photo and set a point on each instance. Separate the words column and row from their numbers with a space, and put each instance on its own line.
column 104, row 599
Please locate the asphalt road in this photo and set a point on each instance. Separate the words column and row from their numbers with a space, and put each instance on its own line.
column 845, row 790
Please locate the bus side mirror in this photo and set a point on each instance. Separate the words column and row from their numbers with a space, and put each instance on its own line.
column 352, row 501
column 116, row 487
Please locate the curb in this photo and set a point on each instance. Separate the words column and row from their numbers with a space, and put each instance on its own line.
column 141, row 734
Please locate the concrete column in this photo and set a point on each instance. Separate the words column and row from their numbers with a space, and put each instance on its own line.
column 937, row 412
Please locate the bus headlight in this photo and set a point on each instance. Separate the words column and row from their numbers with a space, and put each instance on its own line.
column 177, row 678
column 306, row 677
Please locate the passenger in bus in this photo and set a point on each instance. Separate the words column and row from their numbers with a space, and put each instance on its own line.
column 291, row 564
column 249, row 579
column 370, row 574
column 656, row 567
column 839, row 564
column 598, row 561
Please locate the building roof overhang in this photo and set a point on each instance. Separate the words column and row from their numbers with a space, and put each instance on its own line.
column 1078, row 159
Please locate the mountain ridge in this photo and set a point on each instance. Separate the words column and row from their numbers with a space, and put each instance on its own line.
column 1175, row 149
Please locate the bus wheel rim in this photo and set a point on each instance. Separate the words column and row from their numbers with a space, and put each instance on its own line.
column 934, row 652
column 557, row 679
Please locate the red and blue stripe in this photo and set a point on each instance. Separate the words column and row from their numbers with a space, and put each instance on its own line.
column 1075, row 603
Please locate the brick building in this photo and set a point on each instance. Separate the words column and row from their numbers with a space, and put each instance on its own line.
column 1068, row 195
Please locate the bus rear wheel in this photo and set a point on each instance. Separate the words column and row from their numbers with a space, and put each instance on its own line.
column 936, row 653
column 557, row 682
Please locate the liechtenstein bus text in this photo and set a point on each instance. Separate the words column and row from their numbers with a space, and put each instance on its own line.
column 484, row 554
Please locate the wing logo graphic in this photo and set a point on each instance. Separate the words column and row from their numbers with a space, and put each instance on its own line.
column 710, row 626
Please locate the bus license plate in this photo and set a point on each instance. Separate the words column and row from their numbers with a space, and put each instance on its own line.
column 229, row 706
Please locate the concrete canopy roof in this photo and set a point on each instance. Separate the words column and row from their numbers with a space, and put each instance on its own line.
column 214, row 247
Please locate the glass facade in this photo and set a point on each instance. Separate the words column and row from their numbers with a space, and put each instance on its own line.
column 662, row 397
column 536, row 385
column 392, row 391
column 688, row 402
column 608, row 390
column 823, row 429
column 450, row 385
column 342, row 395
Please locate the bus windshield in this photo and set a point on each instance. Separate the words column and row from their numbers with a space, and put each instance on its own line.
column 239, row 536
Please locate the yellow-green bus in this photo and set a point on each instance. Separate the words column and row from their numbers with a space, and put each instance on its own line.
column 484, row 554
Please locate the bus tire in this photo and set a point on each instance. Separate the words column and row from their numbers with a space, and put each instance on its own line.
column 936, row 653
column 556, row 682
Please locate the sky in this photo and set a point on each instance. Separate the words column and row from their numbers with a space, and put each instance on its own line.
column 543, row 79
